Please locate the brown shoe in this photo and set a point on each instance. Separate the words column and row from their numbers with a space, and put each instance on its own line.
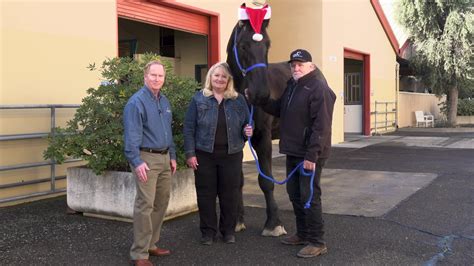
column 143, row 262
column 293, row 240
column 159, row 252
column 312, row 251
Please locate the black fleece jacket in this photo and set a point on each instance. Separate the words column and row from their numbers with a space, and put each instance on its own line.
column 305, row 110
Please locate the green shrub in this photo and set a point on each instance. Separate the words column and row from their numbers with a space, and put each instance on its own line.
column 95, row 133
column 466, row 107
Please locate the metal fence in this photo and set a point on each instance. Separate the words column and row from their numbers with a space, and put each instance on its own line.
column 53, row 178
column 384, row 117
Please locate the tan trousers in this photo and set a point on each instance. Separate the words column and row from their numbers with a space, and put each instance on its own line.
column 151, row 203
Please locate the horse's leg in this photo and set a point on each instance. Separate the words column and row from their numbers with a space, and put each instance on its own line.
column 240, row 225
column 263, row 147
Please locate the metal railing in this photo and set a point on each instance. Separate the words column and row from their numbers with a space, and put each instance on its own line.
column 53, row 178
column 381, row 113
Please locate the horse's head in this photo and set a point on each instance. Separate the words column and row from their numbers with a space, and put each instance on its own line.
column 248, row 60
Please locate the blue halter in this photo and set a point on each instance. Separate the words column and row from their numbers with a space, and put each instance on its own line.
column 244, row 70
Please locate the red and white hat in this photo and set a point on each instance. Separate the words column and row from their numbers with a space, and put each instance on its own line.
column 256, row 16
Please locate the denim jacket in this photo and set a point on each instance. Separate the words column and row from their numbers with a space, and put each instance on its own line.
column 147, row 123
column 200, row 124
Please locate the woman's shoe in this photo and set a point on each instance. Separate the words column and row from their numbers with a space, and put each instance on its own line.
column 207, row 240
column 229, row 239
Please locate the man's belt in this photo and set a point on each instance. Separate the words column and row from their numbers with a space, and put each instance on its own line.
column 150, row 150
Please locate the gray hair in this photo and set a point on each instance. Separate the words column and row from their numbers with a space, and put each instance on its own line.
column 148, row 66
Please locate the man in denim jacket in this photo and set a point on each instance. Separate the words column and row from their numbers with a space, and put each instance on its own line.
column 150, row 150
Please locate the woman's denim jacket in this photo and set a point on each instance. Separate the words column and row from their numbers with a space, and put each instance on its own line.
column 200, row 124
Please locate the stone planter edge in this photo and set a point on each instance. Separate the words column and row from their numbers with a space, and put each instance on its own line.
column 112, row 194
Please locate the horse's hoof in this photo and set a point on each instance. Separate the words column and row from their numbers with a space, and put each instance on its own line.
column 240, row 227
column 277, row 231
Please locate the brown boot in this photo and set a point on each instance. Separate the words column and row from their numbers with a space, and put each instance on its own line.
column 312, row 251
column 159, row 252
column 293, row 240
column 142, row 262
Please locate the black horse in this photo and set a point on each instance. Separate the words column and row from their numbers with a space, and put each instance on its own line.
column 248, row 61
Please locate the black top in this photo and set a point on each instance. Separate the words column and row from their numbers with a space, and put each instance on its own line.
column 220, row 141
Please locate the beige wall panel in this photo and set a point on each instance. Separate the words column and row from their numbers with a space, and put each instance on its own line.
column 24, row 175
column 295, row 24
column 45, row 49
column 187, row 56
column 35, row 188
column 25, row 121
column 412, row 101
column 354, row 25
column 22, row 151
column 29, row 174
column 47, row 45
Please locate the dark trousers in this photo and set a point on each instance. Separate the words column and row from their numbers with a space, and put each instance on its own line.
column 309, row 222
column 218, row 175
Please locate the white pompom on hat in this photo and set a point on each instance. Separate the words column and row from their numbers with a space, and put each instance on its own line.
column 256, row 16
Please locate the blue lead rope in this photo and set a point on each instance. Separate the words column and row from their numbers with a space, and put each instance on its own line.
column 298, row 167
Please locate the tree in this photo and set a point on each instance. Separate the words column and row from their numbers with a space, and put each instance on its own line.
column 442, row 34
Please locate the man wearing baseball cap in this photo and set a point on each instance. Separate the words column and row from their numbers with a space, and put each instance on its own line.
column 305, row 110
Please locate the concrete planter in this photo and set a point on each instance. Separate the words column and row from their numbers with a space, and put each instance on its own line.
column 113, row 193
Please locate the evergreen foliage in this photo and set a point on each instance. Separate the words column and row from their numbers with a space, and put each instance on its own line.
column 442, row 34
column 466, row 107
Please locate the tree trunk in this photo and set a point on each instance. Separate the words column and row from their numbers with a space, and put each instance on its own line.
column 453, row 106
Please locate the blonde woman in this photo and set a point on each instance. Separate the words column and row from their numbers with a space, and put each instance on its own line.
column 215, row 130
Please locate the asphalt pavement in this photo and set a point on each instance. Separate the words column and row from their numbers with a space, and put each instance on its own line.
column 413, row 192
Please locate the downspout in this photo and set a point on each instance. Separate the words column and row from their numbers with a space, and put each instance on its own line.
column 397, row 89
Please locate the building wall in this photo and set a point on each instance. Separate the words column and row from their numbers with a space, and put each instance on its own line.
column 412, row 101
column 187, row 56
column 47, row 46
column 45, row 49
column 227, row 10
column 325, row 28
column 354, row 25
column 296, row 24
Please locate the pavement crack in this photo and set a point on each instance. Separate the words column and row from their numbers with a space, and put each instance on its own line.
column 444, row 243
column 413, row 228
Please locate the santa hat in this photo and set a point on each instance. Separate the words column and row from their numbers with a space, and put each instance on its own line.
column 256, row 16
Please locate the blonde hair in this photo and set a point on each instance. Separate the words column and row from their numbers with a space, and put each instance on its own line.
column 230, row 92
column 154, row 62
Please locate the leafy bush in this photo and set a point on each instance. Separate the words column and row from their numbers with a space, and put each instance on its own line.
column 466, row 107
column 95, row 133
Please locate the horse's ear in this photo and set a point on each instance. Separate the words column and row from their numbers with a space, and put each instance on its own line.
column 241, row 23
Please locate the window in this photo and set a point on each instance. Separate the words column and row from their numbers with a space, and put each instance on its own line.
column 352, row 88
column 166, row 42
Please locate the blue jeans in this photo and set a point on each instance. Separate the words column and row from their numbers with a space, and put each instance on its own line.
column 309, row 222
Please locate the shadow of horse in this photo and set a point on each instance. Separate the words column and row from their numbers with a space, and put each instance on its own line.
column 248, row 61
